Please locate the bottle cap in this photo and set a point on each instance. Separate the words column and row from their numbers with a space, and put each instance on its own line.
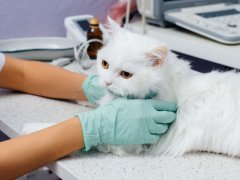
column 94, row 21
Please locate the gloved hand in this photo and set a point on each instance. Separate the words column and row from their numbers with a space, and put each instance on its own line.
column 92, row 89
column 123, row 122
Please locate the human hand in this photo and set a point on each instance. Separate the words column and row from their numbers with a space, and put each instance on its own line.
column 92, row 89
column 123, row 122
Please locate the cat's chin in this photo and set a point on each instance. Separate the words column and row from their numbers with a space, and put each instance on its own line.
column 116, row 94
column 149, row 95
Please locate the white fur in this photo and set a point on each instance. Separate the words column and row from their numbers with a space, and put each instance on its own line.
column 208, row 104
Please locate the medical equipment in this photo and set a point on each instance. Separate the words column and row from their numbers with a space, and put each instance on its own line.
column 61, row 62
column 77, row 27
column 215, row 19
column 81, row 56
column 46, row 48
column 57, row 49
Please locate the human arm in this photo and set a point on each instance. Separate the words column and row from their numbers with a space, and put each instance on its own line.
column 41, row 79
column 113, row 123
column 25, row 153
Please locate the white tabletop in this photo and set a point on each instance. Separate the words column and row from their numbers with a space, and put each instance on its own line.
column 193, row 44
column 16, row 109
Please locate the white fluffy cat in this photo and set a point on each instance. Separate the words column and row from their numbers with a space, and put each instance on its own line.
column 208, row 116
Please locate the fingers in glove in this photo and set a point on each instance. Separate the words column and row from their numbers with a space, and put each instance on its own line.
column 159, row 129
column 163, row 105
column 164, row 117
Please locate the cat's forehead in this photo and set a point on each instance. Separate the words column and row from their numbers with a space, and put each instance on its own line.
column 127, row 49
column 127, row 46
column 122, row 58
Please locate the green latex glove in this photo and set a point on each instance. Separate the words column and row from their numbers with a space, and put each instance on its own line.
column 92, row 89
column 123, row 122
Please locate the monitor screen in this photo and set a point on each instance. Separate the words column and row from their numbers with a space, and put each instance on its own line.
column 173, row 4
column 83, row 24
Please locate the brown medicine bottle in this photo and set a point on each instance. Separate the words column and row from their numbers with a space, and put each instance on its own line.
column 94, row 32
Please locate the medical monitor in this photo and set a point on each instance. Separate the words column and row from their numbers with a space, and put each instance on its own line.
column 155, row 9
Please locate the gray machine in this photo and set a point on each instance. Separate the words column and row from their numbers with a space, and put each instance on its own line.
column 216, row 19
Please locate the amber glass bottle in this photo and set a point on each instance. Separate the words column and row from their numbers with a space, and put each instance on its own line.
column 94, row 32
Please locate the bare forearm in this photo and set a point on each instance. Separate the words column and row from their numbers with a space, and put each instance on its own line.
column 23, row 154
column 41, row 79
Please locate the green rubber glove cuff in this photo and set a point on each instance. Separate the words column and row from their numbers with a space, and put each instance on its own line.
column 92, row 89
column 91, row 139
column 95, row 131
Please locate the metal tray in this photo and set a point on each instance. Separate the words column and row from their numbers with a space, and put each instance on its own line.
column 40, row 48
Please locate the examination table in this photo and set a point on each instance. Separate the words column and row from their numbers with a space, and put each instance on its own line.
column 16, row 109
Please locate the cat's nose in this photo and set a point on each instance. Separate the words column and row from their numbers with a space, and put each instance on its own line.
column 108, row 83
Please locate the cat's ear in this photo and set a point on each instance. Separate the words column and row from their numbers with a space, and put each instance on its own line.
column 157, row 56
column 113, row 27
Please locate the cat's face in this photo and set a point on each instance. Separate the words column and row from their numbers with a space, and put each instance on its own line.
column 130, row 64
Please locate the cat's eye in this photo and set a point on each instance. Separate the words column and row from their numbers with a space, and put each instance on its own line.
column 125, row 74
column 105, row 64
